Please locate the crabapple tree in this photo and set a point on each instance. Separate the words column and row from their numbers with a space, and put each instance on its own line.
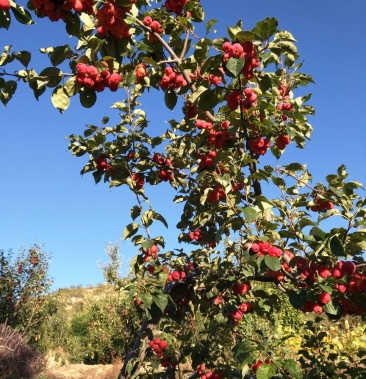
column 236, row 109
column 24, row 286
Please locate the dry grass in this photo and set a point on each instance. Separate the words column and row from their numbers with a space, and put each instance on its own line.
column 18, row 359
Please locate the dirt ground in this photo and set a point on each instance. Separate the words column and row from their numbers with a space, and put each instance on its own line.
column 79, row 371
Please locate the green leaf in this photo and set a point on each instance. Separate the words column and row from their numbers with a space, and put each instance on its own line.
column 159, row 217
column 197, row 93
column 293, row 368
column 138, row 239
column 250, row 214
column 161, row 300
column 297, row 299
column 235, row 65
column 59, row 54
column 130, row 230
column 129, row 79
column 265, row 83
column 38, row 87
column 88, row 98
column 279, row 182
column 303, row 222
column 197, row 13
column 272, row 263
column 244, row 35
column 317, row 233
column 87, row 20
column 22, row 15
column 208, row 100
column 200, row 52
column 7, row 91
column 23, row 57
column 243, row 347
column 150, row 61
column 283, row 47
column 210, row 24
column 284, row 35
column 73, row 24
column 266, row 28
column 211, row 64
column 331, row 309
column 135, row 212
column 4, row 19
column 53, row 76
column 170, row 98
column 232, row 31
column 336, row 247
column 266, row 371
column 59, row 99
column 96, row 174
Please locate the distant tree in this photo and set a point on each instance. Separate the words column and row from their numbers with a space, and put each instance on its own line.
column 24, row 286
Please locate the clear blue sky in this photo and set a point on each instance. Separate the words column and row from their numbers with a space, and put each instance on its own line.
column 43, row 198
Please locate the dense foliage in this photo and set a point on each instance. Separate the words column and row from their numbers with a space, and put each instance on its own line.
column 24, row 286
column 240, row 110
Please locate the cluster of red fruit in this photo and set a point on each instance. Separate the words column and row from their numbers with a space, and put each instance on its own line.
column 238, row 313
column 58, row 9
column 208, row 374
column 176, row 275
column 159, row 346
column 246, row 99
column 216, row 195
column 237, row 186
column 140, row 72
column 202, row 124
column 165, row 173
column 244, row 50
column 4, row 5
column 282, row 141
column 211, row 78
column 218, row 138
column 154, row 25
column 284, row 90
column 264, row 248
column 110, row 21
column 241, row 288
column 321, row 204
column 259, row 145
column 138, row 180
column 277, row 276
column 102, row 163
column 206, row 160
column 355, row 283
column 285, row 106
column 199, row 237
column 171, row 79
column 175, row 6
column 196, row 235
column 317, row 307
column 152, row 252
column 91, row 77
column 190, row 109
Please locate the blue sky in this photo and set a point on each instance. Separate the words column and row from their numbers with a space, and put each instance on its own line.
column 43, row 198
